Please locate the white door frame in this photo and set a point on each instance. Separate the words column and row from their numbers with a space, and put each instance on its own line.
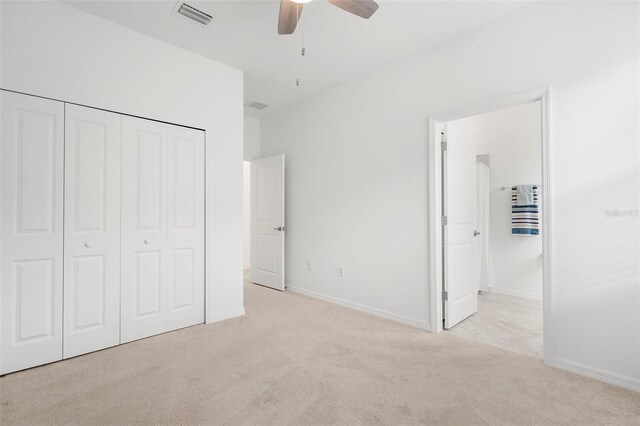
column 543, row 95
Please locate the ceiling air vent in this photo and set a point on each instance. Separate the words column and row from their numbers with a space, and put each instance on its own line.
column 195, row 14
column 256, row 105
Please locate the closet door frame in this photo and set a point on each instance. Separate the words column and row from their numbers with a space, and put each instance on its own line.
column 59, row 318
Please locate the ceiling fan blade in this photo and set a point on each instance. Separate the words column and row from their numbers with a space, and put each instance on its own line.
column 362, row 8
column 289, row 14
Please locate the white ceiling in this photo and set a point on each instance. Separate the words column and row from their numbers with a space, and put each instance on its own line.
column 339, row 45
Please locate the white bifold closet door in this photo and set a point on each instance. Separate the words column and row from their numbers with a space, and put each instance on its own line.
column 92, row 230
column 31, row 160
column 185, row 227
column 162, row 253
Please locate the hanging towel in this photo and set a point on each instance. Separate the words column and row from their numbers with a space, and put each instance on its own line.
column 524, row 195
column 525, row 211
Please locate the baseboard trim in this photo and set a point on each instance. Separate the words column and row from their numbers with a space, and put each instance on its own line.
column 422, row 325
column 225, row 316
column 516, row 293
column 598, row 374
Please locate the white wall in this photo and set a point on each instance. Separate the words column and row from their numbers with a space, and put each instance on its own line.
column 251, row 138
column 512, row 137
column 54, row 50
column 357, row 178
column 251, row 152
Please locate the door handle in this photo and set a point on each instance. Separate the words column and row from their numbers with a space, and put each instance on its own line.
column 476, row 233
column 279, row 228
column 147, row 241
column 88, row 245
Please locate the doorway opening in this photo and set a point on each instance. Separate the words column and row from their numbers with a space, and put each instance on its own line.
column 489, row 217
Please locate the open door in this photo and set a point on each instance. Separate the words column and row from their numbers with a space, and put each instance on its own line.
column 460, row 295
column 267, row 222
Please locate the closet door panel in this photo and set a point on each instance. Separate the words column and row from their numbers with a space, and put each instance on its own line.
column 31, row 231
column 92, row 230
column 144, row 203
column 185, row 229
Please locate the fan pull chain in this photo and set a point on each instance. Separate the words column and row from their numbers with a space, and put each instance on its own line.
column 303, row 51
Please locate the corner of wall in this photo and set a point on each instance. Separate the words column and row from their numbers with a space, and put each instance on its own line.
column 596, row 374
column 217, row 317
column 413, row 322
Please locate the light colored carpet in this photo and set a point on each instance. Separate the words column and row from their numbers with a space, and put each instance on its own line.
column 296, row 360
column 507, row 322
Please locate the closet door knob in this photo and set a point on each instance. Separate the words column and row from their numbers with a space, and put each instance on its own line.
column 88, row 245
column 476, row 233
column 147, row 241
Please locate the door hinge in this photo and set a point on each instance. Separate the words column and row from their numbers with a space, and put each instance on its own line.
column 445, row 296
column 443, row 145
column 444, row 220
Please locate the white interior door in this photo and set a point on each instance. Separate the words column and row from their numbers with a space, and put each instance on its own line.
column 267, row 221
column 31, row 152
column 185, row 228
column 92, row 230
column 144, row 207
column 459, row 201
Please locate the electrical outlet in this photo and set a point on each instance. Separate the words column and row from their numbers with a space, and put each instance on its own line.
column 310, row 266
column 341, row 271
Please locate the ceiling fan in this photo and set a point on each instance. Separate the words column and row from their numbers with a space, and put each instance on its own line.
column 290, row 11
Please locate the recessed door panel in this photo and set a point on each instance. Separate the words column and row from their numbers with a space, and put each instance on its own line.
column 90, row 169
column 462, row 254
column 266, row 253
column 36, row 164
column 31, row 172
column 149, row 183
column 184, row 178
column 185, row 231
column 183, row 279
column 34, row 281
column 92, row 230
column 266, row 193
column 88, row 281
column 148, row 288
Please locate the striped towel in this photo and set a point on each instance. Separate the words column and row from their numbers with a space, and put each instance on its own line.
column 525, row 220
